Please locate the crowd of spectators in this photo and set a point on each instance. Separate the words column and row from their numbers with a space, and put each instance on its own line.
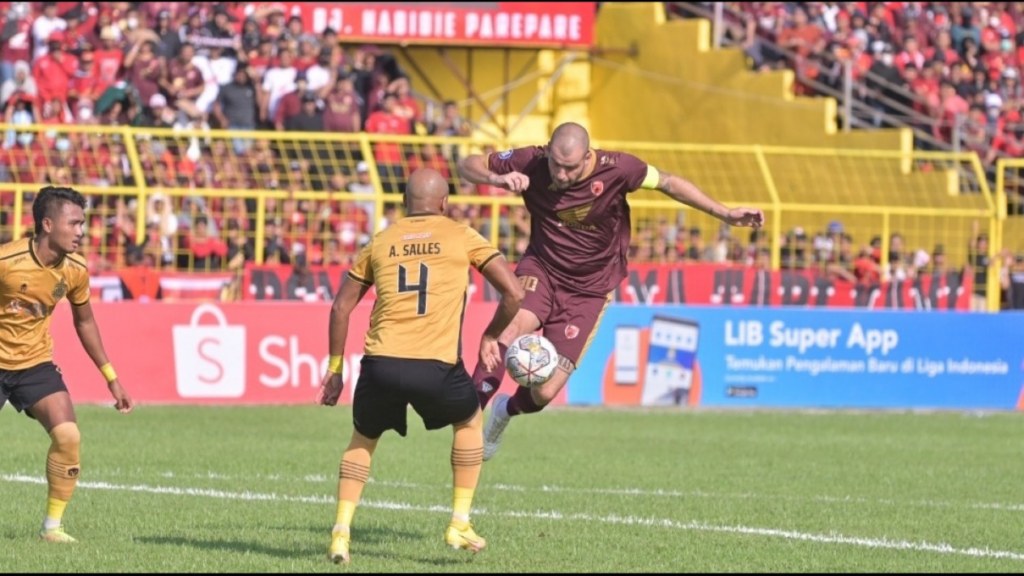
column 251, row 67
column 947, row 67
column 197, row 65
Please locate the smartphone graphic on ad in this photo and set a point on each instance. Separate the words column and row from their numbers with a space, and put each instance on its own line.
column 670, row 360
column 627, row 355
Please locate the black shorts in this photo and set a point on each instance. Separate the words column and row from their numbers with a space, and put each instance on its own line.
column 23, row 388
column 442, row 394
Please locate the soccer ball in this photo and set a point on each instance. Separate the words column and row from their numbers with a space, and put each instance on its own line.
column 531, row 360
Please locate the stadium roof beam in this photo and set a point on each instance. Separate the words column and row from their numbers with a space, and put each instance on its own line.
column 423, row 76
column 469, row 89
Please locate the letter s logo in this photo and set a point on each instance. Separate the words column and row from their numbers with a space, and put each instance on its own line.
column 211, row 360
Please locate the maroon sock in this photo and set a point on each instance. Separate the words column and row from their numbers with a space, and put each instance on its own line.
column 492, row 379
column 522, row 402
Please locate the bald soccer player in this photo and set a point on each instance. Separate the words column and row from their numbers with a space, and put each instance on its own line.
column 35, row 274
column 413, row 350
column 579, row 239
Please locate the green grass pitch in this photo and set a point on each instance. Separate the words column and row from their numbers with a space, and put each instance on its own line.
column 572, row 490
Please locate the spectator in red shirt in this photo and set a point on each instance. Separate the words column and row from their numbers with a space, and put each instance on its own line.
column 388, row 154
column 109, row 57
column 262, row 58
column 85, row 83
column 802, row 35
column 143, row 69
column 81, row 32
column 407, row 106
column 183, row 82
column 910, row 56
column 1010, row 140
column 943, row 50
column 290, row 104
column 309, row 51
column 54, row 71
column 341, row 112
column 207, row 251
column 429, row 157
column 950, row 105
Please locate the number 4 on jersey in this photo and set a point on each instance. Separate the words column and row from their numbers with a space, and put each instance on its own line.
column 420, row 288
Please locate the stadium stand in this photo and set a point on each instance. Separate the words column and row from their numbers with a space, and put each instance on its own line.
column 208, row 136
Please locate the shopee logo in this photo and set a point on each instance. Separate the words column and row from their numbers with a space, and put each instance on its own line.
column 292, row 367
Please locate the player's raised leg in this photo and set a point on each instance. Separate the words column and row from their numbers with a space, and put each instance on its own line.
column 352, row 476
column 533, row 312
column 57, row 415
column 486, row 381
column 571, row 329
column 467, row 459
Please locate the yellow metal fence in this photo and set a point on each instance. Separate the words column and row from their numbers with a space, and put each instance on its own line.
column 214, row 199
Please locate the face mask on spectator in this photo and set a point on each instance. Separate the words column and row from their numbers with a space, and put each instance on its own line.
column 21, row 117
column 84, row 114
column 133, row 23
column 62, row 144
column 887, row 59
column 1006, row 44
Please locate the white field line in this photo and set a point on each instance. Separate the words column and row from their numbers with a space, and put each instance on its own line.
column 554, row 515
column 637, row 492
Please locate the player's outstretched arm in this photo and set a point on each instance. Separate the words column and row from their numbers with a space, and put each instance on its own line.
column 500, row 275
column 682, row 190
column 89, row 334
column 474, row 169
column 351, row 292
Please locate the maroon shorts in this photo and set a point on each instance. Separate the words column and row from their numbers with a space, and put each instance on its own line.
column 568, row 317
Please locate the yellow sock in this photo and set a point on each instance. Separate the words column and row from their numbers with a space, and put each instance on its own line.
column 346, row 510
column 62, row 468
column 467, row 459
column 55, row 510
column 463, row 502
column 352, row 476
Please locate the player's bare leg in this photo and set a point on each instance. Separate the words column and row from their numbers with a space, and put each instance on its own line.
column 487, row 383
column 352, row 476
column 525, row 401
column 467, row 458
column 57, row 416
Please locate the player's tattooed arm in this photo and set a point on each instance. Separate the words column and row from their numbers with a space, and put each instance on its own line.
column 682, row 190
column 565, row 364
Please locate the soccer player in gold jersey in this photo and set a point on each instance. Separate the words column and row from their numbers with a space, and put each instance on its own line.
column 35, row 274
column 413, row 350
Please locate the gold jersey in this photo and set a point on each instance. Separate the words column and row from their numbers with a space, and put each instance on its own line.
column 420, row 267
column 29, row 292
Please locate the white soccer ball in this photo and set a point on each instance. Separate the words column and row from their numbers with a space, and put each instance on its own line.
column 531, row 360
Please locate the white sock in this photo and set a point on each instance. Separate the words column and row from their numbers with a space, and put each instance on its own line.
column 50, row 523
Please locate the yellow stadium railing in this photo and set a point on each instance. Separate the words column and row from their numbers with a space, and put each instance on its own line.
column 252, row 187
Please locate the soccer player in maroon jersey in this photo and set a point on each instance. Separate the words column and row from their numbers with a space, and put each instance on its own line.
column 579, row 239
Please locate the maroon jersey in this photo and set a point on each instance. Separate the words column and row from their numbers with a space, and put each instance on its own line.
column 581, row 234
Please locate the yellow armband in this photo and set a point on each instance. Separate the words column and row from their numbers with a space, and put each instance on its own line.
column 108, row 372
column 336, row 364
column 651, row 180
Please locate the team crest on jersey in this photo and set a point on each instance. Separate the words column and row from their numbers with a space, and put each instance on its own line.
column 505, row 155
column 572, row 331
column 597, row 187
column 60, row 290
